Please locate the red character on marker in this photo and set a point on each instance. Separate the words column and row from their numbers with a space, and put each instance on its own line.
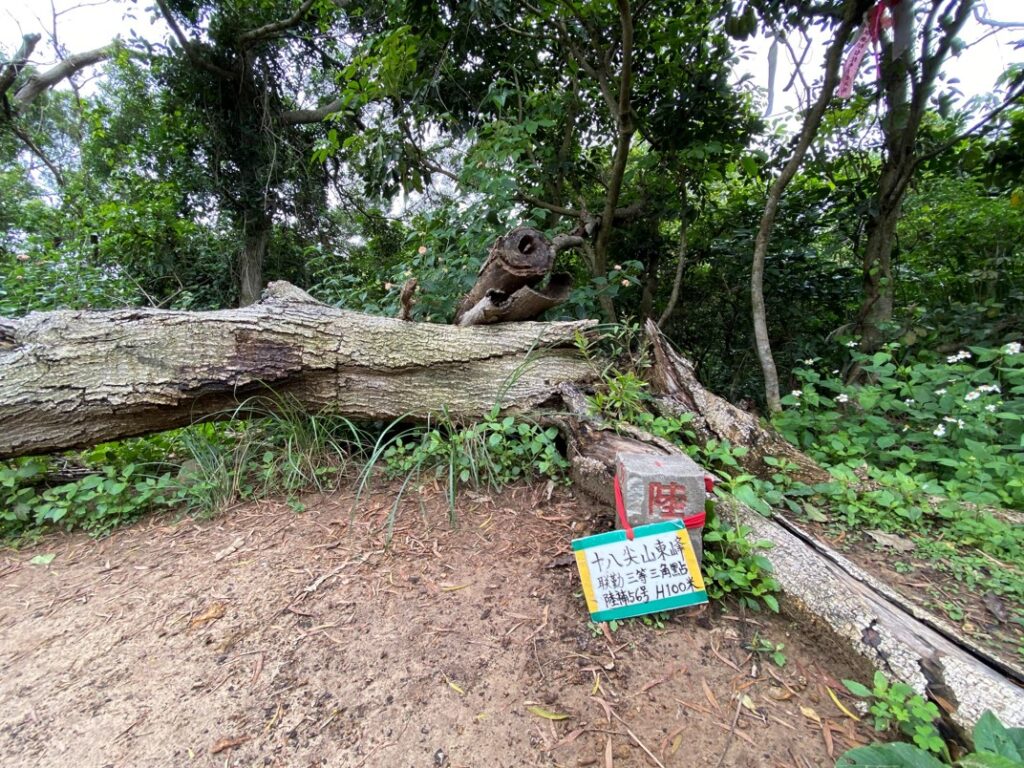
column 666, row 500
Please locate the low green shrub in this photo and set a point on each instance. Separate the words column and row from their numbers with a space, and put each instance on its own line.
column 897, row 706
column 954, row 425
column 995, row 746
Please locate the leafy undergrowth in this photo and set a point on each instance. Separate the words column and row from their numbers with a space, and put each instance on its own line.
column 200, row 470
column 995, row 746
column 269, row 448
column 931, row 452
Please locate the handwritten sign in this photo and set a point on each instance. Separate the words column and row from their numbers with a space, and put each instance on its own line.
column 656, row 571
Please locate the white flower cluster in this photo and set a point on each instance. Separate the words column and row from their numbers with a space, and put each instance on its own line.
column 951, row 420
column 842, row 397
column 851, row 344
column 963, row 354
column 939, row 431
column 940, row 391
column 1013, row 348
column 796, row 393
column 974, row 394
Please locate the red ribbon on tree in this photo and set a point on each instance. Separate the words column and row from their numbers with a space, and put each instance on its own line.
column 870, row 34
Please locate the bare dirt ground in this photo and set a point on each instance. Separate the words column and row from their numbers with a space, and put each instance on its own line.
column 271, row 638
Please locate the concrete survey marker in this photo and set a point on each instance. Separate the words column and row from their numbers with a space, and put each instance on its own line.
column 655, row 570
column 657, row 488
column 653, row 489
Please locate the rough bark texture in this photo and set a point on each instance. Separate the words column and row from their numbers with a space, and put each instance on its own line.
column 250, row 260
column 72, row 379
column 506, row 290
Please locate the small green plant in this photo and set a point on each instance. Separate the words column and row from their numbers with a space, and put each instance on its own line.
column 493, row 452
column 995, row 746
column 650, row 620
column 897, row 706
column 732, row 565
column 774, row 651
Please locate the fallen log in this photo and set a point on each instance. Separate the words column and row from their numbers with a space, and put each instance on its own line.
column 905, row 642
column 72, row 379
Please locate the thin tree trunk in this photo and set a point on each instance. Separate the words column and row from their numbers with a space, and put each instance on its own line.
column 833, row 58
column 877, row 305
column 626, row 129
column 677, row 282
column 255, row 239
column 650, row 285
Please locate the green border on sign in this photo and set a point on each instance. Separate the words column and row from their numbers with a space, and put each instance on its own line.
column 640, row 609
column 610, row 537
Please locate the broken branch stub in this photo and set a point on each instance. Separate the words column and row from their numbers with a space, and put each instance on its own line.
column 506, row 288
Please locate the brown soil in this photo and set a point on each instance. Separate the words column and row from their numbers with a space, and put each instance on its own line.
column 266, row 637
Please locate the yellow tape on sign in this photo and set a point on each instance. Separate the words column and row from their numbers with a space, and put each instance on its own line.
column 588, row 586
column 691, row 559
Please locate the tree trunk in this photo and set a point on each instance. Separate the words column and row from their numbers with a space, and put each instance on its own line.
column 877, row 304
column 71, row 379
column 833, row 58
column 255, row 238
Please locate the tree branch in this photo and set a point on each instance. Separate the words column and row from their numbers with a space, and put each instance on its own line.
column 833, row 60
column 624, row 214
column 18, row 63
column 43, row 81
column 268, row 30
column 36, row 150
column 998, row 24
column 305, row 116
column 677, row 283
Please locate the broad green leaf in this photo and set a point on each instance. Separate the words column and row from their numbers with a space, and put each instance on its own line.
column 992, row 736
column 888, row 756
